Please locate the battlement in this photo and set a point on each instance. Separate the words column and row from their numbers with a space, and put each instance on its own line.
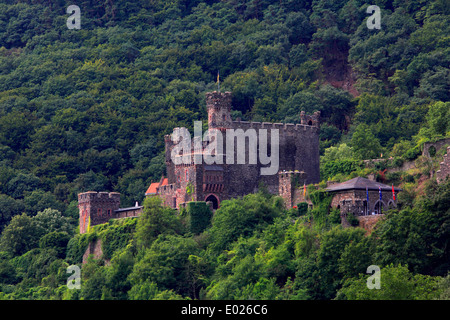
column 218, row 99
column 282, row 127
column 287, row 174
column 91, row 196
column 310, row 120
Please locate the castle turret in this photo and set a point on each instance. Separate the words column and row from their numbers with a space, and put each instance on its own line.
column 289, row 183
column 218, row 105
column 308, row 120
column 96, row 208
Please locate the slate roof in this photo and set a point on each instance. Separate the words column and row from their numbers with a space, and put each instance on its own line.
column 128, row 209
column 360, row 183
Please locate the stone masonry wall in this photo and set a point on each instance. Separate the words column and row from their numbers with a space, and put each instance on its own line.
column 444, row 170
column 94, row 248
column 97, row 208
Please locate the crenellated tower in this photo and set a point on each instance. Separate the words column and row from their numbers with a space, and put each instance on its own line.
column 308, row 120
column 218, row 105
column 97, row 208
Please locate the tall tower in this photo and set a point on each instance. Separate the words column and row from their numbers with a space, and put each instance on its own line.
column 96, row 208
column 218, row 105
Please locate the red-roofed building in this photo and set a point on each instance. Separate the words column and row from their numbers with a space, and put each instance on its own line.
column 154, row 187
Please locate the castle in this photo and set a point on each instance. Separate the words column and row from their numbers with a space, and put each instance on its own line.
column 297, row 146
column 297, row 164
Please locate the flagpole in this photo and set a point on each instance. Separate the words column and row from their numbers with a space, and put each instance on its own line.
column 367, row 201
column 218, row 81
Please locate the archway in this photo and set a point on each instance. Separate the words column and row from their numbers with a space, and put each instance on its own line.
column 379, row 207
column 214, row 200
column 391, row 204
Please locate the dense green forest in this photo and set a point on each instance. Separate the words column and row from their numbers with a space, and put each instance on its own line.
column 87, row 110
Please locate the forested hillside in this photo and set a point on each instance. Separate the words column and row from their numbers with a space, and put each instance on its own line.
column 87, row 110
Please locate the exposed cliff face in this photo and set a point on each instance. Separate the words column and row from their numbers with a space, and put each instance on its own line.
column 341, row 75
column 95, row 249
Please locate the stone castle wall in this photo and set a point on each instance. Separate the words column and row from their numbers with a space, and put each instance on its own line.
column 444, row 170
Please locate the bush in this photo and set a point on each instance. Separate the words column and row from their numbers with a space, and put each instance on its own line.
column 412, row 153
column 394, row 177
column 335, row 216
column 354, row 222
column 302, row 208
column 77, row 246
column 116, row 235
column 397, row 162
column 332, row 168
column 56, row 240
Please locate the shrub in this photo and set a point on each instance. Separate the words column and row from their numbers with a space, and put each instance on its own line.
column 335, row 216
column 412, row 153
column 302, row 208
column 354, row 222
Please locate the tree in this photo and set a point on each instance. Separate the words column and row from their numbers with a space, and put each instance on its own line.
column 9, row 207
column 90, row 181
column 55, row 240
column 365, row 145
column 21, row 235
column 15, row 130
column 166, row 263
column 50, row 220
column 155, row 220
column 94, row 280
column 39, row 200
column 145, row 290
column 396, row 283
column 21, row 183
column 418, row 236
column 241, row 217
column 340, row 152
column 333, row 246
column 117, row 273
column 438, row 118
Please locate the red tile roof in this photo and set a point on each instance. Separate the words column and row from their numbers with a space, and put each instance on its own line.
column 152, row 188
